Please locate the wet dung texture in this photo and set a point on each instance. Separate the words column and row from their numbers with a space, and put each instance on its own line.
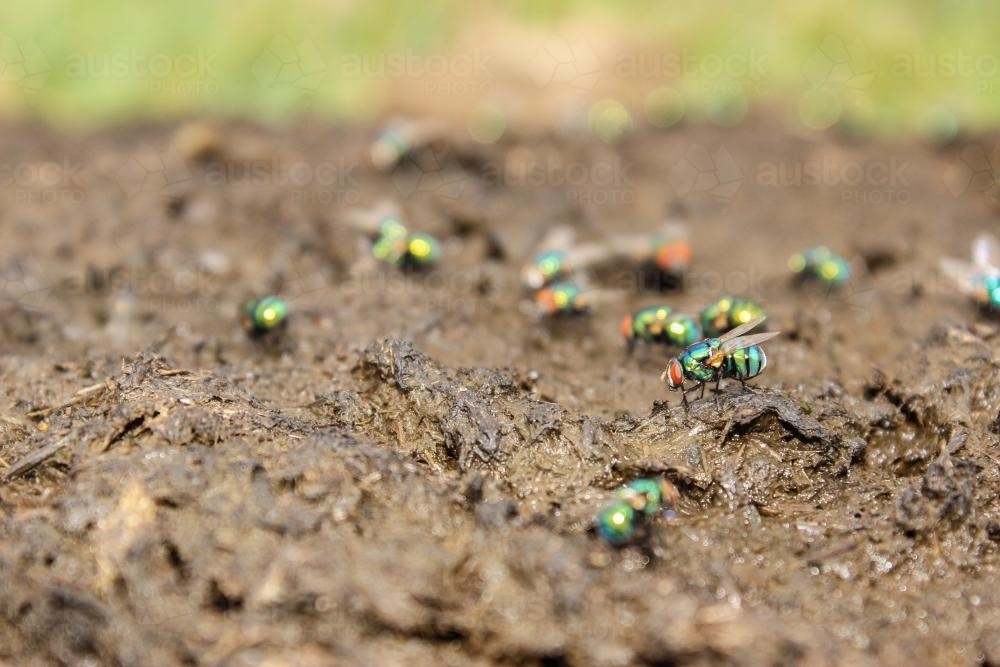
column 409, row 473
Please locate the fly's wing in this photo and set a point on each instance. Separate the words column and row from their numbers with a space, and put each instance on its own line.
column 560, row 237
column 986, row 254
column 637, row 247
column 673, row 231
column 742, row 329
column 588, row 257
column 739, row 343
column 368, row 220
column 735, row 340
column 963, row 273
column 742, row 342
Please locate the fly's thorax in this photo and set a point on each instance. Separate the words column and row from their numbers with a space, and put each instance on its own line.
column 561, row 299
column 694, row 361
column 644, row 495
column 648, row 323
column 987, row 292
column 544, row 269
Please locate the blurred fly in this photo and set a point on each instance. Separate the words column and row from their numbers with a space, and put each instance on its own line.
column 979, row 279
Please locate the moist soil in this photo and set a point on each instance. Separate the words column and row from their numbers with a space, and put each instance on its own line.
column 408, row 473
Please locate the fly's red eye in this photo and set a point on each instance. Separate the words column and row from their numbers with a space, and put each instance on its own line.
column 626, row 327
column 675, row 374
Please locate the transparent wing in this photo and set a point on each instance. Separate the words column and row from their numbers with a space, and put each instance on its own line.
column 742, row 342
column 560, row 237
column 986, row 253
column 963, row 273
column 742, row 329
column 673, row 231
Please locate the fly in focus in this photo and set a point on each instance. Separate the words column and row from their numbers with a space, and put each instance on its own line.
column 736, row 355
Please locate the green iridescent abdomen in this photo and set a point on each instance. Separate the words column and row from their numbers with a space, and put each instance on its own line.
column 744, row 364
column 616, row 522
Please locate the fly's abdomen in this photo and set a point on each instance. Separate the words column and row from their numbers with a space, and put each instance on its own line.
column 745, row 364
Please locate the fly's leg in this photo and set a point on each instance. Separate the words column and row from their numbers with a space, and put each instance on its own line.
column 684, row 397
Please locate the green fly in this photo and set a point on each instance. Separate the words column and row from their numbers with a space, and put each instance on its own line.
column 728, row 312
column 638, row 500
column 820, row 264
column 659, row 324
column 265, row 315
column 732, row 355
column 566, row 298
column 394, row 244
column 981, row 278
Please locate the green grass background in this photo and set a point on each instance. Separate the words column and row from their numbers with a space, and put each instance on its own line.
column 237, row 31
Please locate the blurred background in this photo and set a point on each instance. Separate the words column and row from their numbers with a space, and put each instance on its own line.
column 882, row 66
